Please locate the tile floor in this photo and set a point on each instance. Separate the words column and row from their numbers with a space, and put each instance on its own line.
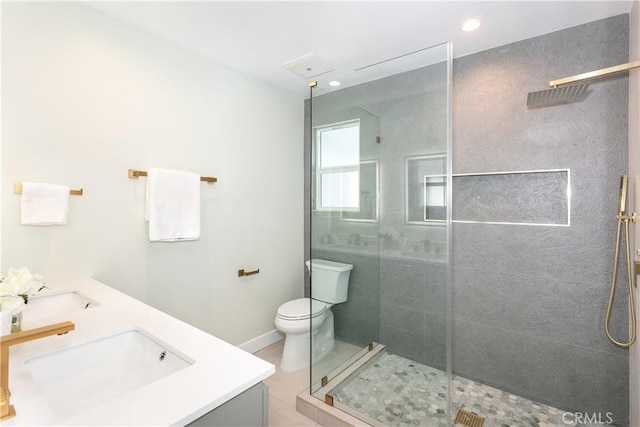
column 400, row 392
column 284, row 387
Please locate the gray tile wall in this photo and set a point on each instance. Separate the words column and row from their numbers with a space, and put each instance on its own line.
column 413, row 310
column 357, row 319
column 528, row 302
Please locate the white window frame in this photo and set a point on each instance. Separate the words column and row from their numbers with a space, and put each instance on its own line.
column 319, row 171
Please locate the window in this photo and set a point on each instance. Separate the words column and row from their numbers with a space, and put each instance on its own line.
column 337, row 167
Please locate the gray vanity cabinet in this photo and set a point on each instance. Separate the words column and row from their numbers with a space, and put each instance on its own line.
column 248, row 409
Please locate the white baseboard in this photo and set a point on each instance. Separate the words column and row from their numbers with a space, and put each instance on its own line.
column 262, row 341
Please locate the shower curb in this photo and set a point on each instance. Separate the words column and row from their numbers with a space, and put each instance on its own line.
column 323, row 414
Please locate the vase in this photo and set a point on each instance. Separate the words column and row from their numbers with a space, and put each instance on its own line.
column 11, row 310
column 16, row 322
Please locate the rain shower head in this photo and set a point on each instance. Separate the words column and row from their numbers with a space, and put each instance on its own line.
column 557, row 95
column 562, row 92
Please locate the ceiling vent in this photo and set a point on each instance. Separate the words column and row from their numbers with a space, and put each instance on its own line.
column 308, row 66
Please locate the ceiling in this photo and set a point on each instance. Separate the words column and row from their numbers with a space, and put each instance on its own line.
column 257, row 37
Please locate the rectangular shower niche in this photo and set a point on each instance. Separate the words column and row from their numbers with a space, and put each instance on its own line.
column 535, row 197
column 532, row 197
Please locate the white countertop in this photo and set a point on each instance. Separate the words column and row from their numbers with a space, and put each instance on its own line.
column 221, row 371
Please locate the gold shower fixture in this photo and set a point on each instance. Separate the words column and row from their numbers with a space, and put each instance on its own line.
column 594, row 74
column 626, row 219
column 574, row 88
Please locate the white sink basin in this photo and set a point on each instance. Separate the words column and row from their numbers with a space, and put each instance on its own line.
column 80, row 377
column 55, row 303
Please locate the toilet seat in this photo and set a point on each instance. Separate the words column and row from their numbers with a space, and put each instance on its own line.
column 299, row 309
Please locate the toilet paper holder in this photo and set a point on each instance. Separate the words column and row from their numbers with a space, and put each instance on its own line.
column 242, row 273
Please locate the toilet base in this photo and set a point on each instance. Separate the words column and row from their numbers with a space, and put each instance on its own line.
column 297, row 347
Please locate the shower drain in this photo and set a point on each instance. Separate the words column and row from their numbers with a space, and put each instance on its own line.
column 469, row 419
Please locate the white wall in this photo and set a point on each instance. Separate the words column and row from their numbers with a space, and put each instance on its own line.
column 85, row 97
column 1, row 182
column 634, row 173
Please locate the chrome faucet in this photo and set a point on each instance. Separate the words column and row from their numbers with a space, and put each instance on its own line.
column 6, row 408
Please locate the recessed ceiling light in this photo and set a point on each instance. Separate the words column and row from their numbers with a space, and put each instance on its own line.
column 334, row 83
column 471, row 25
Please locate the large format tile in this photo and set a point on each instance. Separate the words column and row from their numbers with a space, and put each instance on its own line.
column 419, row 285
column 355, row 329
column 435, row 341
column 567, row 376
column 409, row 343
column 532, row 304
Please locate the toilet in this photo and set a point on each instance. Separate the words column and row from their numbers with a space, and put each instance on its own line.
column 297, row 318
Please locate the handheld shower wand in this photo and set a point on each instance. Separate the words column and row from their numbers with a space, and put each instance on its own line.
column 632, row 310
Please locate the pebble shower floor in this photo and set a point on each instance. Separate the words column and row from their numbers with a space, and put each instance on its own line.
column 400, row 392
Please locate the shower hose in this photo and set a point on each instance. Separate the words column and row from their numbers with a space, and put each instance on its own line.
column 632, row 310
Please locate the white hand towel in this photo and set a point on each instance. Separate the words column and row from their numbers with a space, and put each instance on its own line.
column 173, row 205
column 44, row 204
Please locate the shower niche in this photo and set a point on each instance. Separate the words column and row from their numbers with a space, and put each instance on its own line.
column 534, row 197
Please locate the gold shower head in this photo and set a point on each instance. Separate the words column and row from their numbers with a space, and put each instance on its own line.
column 562, row 91
column 557, row 95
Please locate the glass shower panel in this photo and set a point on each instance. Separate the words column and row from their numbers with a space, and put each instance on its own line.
column 389, row 360
column 344, row 226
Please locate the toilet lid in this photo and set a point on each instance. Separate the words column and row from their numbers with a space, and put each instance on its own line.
column 299, row 309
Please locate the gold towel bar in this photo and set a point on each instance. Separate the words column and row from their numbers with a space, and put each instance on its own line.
column 134, row 174
column 242, row 273
column 17, row 189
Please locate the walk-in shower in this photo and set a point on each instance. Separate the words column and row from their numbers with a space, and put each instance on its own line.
column 480, row 236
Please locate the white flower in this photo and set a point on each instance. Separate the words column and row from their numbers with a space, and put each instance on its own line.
column 12, row 304
column 20, row 281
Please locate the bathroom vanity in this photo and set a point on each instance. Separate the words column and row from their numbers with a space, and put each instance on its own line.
column 127, row 363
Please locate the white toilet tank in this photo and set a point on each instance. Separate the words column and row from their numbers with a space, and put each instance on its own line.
column 329, row 280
